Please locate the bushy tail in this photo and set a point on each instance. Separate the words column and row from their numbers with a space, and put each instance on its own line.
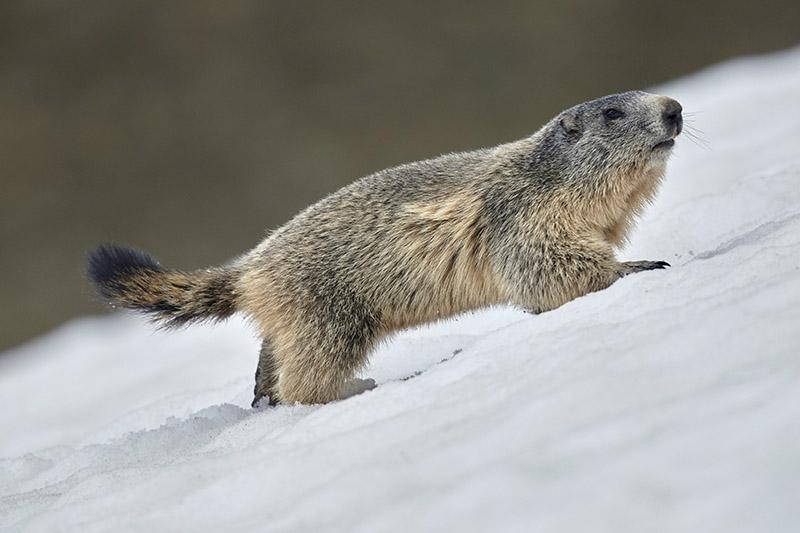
column 131, row 278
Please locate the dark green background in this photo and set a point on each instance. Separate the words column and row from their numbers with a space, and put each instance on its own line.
column 188, row 128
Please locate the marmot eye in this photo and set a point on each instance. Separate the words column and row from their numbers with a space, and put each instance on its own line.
column 613, row 114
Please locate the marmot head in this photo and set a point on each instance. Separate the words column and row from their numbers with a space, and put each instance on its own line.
column 619, row 132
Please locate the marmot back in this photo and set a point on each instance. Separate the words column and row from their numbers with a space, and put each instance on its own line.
column 532, row 223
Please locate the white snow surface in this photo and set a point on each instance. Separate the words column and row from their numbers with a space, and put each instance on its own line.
column 668, row 402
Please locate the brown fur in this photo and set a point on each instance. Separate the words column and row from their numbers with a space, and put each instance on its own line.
column 533, row 223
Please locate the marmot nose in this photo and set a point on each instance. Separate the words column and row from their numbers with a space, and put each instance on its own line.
column 672, row 114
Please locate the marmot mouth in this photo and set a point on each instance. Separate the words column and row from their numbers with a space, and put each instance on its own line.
column 669, row 143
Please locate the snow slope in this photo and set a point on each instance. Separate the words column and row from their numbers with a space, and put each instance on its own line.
column 669, row 402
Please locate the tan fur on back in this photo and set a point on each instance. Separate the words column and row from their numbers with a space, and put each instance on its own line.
column 444, row 241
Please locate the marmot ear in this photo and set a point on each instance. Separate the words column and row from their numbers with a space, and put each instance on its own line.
column 571, row 124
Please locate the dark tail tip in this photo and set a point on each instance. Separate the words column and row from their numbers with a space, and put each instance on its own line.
column 109, row 262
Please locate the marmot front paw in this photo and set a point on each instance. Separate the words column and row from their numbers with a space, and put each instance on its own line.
column 630, row 267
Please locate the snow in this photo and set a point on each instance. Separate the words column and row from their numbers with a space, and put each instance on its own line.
column 669, row 402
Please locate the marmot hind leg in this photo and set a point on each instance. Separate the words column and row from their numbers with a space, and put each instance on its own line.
column 320, row 367
column 266, row 375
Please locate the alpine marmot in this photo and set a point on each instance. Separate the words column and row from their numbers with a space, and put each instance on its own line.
column 533, row 223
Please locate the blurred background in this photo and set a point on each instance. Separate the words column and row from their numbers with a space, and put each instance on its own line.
column 189, row 128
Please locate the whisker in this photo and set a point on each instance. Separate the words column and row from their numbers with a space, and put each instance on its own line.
column 694, row 131
column 696, row 139
column 692, row 126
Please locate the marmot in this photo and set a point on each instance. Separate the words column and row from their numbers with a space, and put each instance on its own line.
column 532, row 223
